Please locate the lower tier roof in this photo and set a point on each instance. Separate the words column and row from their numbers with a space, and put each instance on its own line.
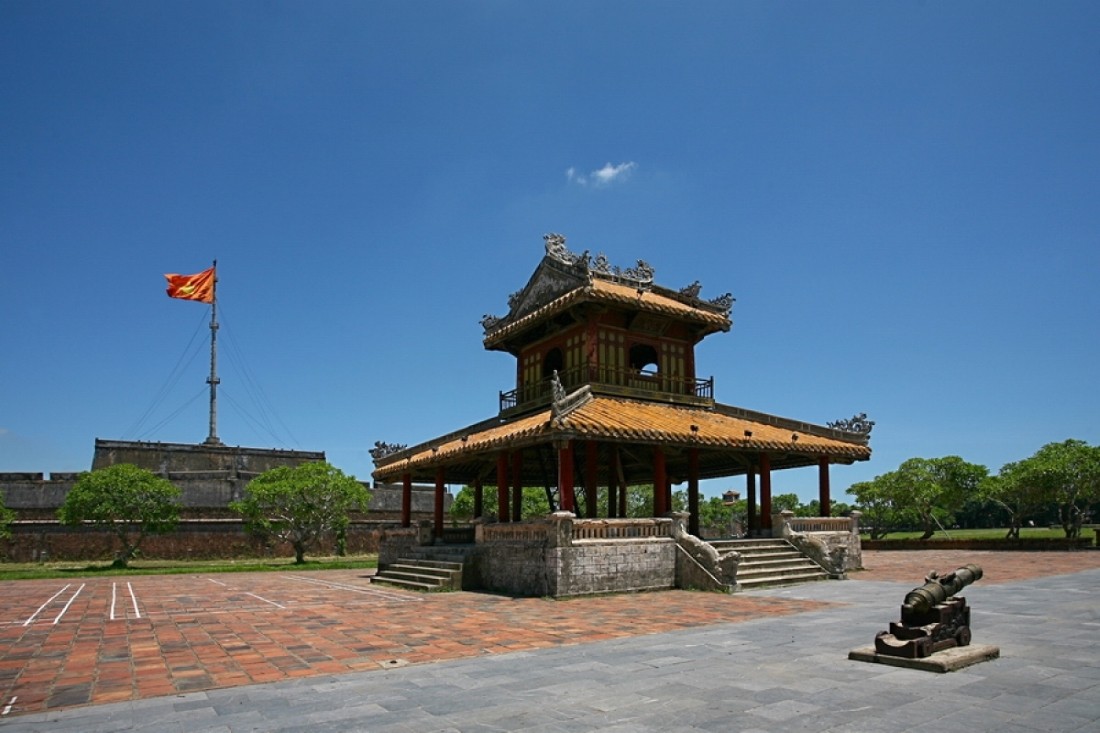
column 729, row 441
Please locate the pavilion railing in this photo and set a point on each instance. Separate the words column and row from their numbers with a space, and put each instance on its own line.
column 627, row 379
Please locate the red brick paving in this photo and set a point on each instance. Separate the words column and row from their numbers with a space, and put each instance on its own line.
column 195, row 632
column 997, row 567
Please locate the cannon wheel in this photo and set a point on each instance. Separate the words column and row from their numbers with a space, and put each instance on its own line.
column 962, row 636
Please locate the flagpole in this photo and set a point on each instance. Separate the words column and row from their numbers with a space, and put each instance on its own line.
column 213, row 380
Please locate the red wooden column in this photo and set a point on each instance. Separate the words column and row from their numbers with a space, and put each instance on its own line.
column 565, row 476
column 660, row 483
column 479, row 506
column 823, row 486
column 517, row 485
column 502, row 487
column 693, row 491
column 439, row 489
column 766, row 494
column 406, row 499
column 750, row 495
column 591, row 468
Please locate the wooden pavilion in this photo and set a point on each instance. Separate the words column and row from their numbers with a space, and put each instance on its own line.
column 607, row 395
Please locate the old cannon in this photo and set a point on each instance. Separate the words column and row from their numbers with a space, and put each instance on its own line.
column 932, row 617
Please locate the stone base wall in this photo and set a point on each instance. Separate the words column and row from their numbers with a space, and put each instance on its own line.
column 200, row 540
column 395, row 543
column 514, row 568
column 614, row 566
column 558, row 556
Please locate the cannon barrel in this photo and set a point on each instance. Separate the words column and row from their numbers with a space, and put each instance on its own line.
column 939, row 589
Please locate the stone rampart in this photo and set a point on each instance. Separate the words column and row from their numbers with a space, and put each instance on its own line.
column 209, row 478
column 39, row 541
column 34, row 494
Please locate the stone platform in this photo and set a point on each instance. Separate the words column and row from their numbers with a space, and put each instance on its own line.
column 947, row 660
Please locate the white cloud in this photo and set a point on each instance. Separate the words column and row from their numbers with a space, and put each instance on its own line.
column 603, row 177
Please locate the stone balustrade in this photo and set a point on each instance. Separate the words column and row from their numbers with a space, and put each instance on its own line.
column 620, row 529
column 831, row 542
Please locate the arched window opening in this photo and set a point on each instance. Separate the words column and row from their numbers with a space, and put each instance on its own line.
column 554, row 360
column 643, row 359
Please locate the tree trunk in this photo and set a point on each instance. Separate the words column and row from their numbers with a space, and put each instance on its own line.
column 299, row 553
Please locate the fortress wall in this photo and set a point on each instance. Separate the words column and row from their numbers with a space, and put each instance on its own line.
column 42, row 541
column 32, row 492
column 209, row 477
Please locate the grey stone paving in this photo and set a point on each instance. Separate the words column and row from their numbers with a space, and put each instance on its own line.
column 790, row 673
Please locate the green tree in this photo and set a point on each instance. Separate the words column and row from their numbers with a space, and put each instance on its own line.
column 1018, row 496
column 302, row 504
column 534, row 504
column 125, row 500
column 719, row 519
column 813, row 509
column 932, row 489
column 876, row 499
column 785, row 502
column 1065, row 474
column 7, row 516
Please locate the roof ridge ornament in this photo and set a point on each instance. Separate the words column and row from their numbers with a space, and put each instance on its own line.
column 723, row 303
column 555, row 248
column 857, row 424
column 382, row 449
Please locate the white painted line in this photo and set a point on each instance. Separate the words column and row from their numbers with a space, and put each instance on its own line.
column 66, row 608
column 356, row 589
column 137, row 613
column 7, row 708
column 114, row 587
column 55, row 595
column 273, row 603
column 224, row 585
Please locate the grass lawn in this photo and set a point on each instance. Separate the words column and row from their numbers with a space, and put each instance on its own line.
column 72, row 569
column 979, row 534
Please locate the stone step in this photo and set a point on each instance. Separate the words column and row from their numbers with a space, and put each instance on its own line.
column 770, row 562
column 417, row 573
column 414, row 572
column 443, row 565
column 406, row 584
column 771, row 581
column 798, row 561
column 747, row 545
column 778, row 571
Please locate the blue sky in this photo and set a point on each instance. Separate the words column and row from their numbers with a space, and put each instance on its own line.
column 903, row 198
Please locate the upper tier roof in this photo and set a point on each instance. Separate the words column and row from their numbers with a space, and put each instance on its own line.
column 564, row 280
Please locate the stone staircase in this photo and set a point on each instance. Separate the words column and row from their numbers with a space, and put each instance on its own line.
column 425, row 569
column 769, row 563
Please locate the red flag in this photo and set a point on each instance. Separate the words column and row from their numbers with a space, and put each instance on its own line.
column 198, row 287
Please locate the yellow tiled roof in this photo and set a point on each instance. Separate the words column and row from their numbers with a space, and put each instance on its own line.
column 605, row 291
column 622, row 420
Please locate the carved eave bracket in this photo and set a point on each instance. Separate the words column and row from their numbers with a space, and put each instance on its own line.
column 562, row 404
